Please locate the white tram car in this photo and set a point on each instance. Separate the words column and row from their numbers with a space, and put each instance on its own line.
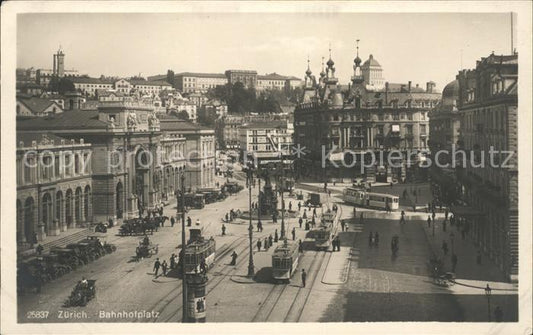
column 359, row 197
column 285, row 261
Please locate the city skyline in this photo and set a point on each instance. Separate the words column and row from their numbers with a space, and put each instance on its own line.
column 282, row 48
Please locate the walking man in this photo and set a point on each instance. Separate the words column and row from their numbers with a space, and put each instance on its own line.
column 157, row 264
column 164, row 267
column 342, row 225
column 304, row 277
column 299, row 206
column 270, row 240
column 293, row 232
column 290, row 206
column 172, row 261
column 223, row 229
column 300, row 247
column 172, row 221
column 429, row 221
column 259, row 245
column 300, row 221
column 276, row 236
column 233, row 258
column 189, row 221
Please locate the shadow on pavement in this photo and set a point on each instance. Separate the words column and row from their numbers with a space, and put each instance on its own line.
column 264, row 275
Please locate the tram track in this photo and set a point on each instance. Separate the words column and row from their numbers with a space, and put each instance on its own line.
column 227, row 270
column 177, row 293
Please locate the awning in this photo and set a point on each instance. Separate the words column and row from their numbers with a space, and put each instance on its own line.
column 466, row 211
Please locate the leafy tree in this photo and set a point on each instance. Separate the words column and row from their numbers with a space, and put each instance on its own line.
column 183, row 115
column 62, row 85
column 207, row 117
column 170, row 78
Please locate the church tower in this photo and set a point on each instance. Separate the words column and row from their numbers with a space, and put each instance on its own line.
column 59, row 63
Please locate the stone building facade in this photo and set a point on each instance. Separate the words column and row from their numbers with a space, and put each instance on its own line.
column 363, row 119
column 488, row 103
column 136, row 161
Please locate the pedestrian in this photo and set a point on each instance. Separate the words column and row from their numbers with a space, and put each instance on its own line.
column 276, row 236
column 370, row 239
column 446, row 214
column 361, row 221
column 343, row 224
column 498, row 314
column 338, row 242
column 293, row 233
column 354, row 212
column 314, row 212
column 34, row 239
column 172, row 221
column 299, row 206
column 445, row 248
column 429, row 221
column 376, row 239
column 172, row 261
column 270, row 240
column 305, row 214
column 164, row 267
column 290, row 206
column 300, row 221
column 266, row 245
column 233, row 258
column 223, row 229
column 478, row 257
column 433, row 215
column 227, row 217
column 260, row 225
column 304, row 277
column 259, row 245
column 157, row 264
column 189, row 221
column 454, row 262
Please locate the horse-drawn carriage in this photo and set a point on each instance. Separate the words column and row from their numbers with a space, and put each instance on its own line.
column 145, row 249
column 439, row 275
column 83, row 292
column 100, row 228
column 139, row 226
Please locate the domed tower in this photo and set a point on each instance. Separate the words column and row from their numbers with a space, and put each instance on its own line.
column 373, row 73
column 357, row 77
column 309, row 85
column 322, row 73
column 450, row 94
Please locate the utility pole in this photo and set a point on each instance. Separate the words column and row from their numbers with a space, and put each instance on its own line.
column 251, row 271
column 282, row 233
column 184, row 317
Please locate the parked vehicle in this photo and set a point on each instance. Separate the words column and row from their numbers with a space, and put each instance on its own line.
column 82, row 293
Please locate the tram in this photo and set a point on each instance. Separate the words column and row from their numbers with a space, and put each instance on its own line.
column 285, row 261
column 323, row 234
column 357, row 196
column 197, row 249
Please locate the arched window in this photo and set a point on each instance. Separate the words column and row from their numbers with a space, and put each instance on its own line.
column 29, row 208
column 78, row 204
column 86, row 198
column 68, row 207
column 59, row 206
column 47, row 211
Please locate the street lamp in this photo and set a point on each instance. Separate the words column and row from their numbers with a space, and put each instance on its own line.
column 282, row 233
column 488, row 291
column 452, row 236
column 184, row 279
column 250, row 227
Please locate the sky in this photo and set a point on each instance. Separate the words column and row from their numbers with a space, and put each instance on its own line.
column 416, row 47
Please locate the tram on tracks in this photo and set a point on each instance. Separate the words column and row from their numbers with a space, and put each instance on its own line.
column 323, row 233
column 285, row 261
column 199, row 252
column 360, row 197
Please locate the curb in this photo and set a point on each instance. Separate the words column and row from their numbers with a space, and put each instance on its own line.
column 239, row 279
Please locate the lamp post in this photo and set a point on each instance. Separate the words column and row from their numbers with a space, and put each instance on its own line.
column 452, row 236
column 282, row 233
column 488, row 291
column 184, row 280
column 251, row 271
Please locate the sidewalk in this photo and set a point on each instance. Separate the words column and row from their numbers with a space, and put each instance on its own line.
column 467, row 267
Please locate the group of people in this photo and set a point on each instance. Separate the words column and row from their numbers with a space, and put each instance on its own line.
column 163, row 266
column 266, row 244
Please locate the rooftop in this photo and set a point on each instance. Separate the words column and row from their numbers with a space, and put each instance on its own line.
column 68, row 120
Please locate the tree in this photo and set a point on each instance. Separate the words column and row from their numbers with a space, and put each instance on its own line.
column 183, row 115
column 207, row 116
column 170, row 78
column 62, row 85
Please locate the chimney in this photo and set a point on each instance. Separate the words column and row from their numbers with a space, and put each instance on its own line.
column 430, row 86
column 409, row 86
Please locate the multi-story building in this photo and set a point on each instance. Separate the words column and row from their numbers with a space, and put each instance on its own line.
column 54, row 185
column 180, row 105
column 217, row 107
column 35, row 106
column 274, row 81
column 246, row 77
column 44, row 76
column 263, row 142
column 90, row 86
column 136, row 162
column 367, row 120
column 188, row 82
column 488, row 185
